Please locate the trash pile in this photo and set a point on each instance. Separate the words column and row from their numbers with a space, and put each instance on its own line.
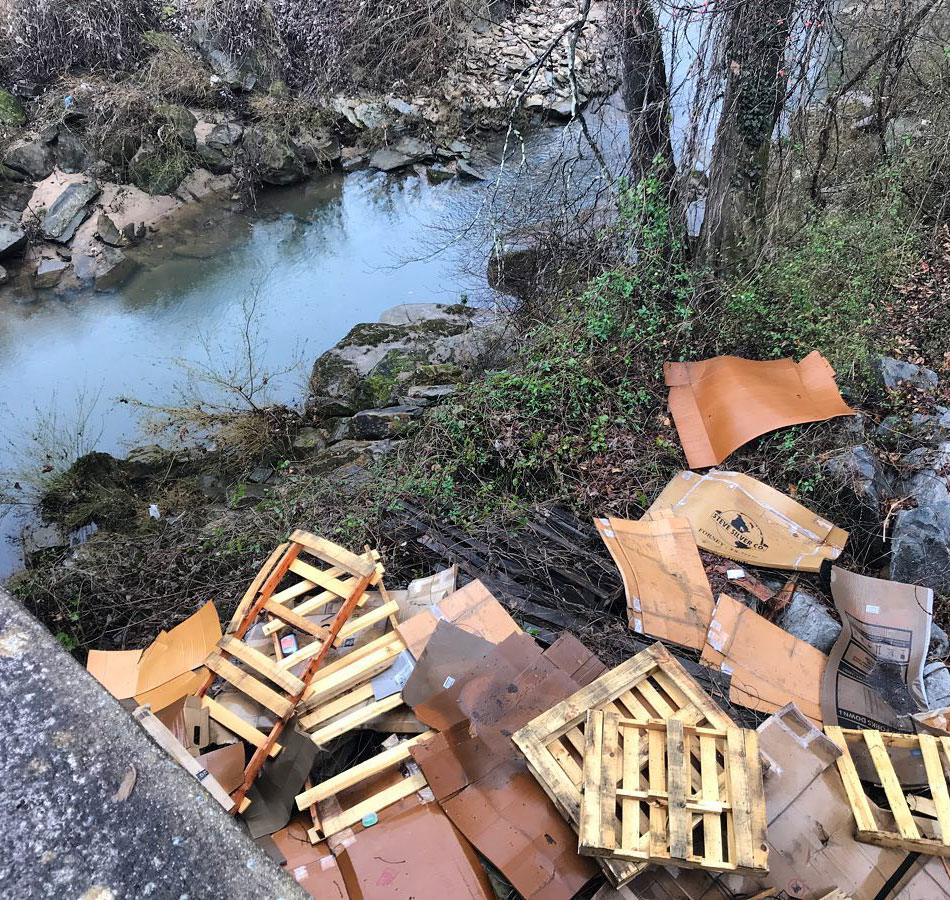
column 419, row 743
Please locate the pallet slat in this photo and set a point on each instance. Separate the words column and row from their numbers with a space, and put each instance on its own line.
column 262, row 664
column 248, row 684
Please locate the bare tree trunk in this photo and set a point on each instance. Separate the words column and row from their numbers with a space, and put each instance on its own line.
column 756, row 36
column 645, row 90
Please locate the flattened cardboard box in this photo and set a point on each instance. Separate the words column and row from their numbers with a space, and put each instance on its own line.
column 722, row 403
column 180, row 650
column 668, row 594
column 743, row 519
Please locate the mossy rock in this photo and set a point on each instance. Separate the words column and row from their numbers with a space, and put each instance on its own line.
column 94, row 489
column 159, row 170
column 11, row 110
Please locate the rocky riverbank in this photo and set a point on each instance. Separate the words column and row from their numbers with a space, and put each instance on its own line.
column 82, row 184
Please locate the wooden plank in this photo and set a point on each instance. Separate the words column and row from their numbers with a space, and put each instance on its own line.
column 739, row 798
column 391, row 639
column 334, row 824
column 678, row 787
column 323, row 689
column 657, row 785
column 610, row 775
column 364, row 770
column 236, row 724
column 339, row 705
column 709, row 777
column 892, row 788
column 295, row 621
column 248, row 684
column 301, row 655
column 755, row 781
column 262, row 664
column 354, row 719
column 334, row 555
column 567, row 763
column 321, row 578
column 355, row 626
column 938, row 784
column 248, row 599
column 852, row 782
column 167, row 741
column 630, row 809
column 591, row 832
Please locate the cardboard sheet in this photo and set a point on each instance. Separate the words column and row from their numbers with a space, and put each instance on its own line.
column 226, row 764
column 180, row 650
column 481, row 779
column 875, row 673
column 743, row 519
column 472, row 608
column 769, row 667
column 722, row 403
column 810, row 826
column 313, row 866
column 116, row 670
column 668, row 594
column 189, row 723
column 166, row 694
column 423, row 592
column 412, row 852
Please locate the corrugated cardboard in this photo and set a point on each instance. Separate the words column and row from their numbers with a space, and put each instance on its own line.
column 412, row 853
column 189, row 722
column 875, row 676
column 481, row 779
column 668, row 594
column 720, row 404
column 180, row 650
column 312, row 865
column 423, row 592
column 471, row 608
column 226, row 764
column 166, row 694
column 769, row 667
column 116, row 670
column 740, row 518
column 810, row 826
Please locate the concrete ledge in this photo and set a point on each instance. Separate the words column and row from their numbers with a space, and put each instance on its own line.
column 65, row 746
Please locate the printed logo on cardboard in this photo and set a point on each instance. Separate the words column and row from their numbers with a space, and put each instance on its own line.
column 737, row 529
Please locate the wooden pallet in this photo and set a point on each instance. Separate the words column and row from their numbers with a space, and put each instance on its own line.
column 645, row 800
column 650, row 685
column 370, row 768
column 298, row 562
column 935, row 752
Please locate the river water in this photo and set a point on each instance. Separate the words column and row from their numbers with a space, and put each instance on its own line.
column 319, row 258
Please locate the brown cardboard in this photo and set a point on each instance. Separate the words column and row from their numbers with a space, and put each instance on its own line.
column 743, row 519
column 810, row 827
column 722, row 403
column 423, row 592
column 412, row 852
column 180, row 650
column 116, row 670
column 481, row 779
column 471, row 608
column 226, row 765
column 166, row 694
column 768, row 666
column 313, row 866
column 189, row 722
column 668, row 594
column 875, row 669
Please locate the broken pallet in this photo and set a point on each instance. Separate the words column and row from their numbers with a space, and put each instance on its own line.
column 664, row 792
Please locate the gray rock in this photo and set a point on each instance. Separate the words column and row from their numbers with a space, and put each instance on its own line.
column 12, row 239
column 392, row 421
column 107, row 232
column 468, row 171
column 809, row 620
column 11, row 110
column 937, row 687
column 4, row 275
column 179, row 124
column 119, row 148
column 939, row 643
column 403, row 108
column 439, row 173
column 84, row 267
column 159, row 170
column 317, row 148
column 929, row 474
column 225, row 137
column 35, row 159
column 71, row 154
column 112, row 268
column 892, row 372
column 69, row 210
column 863, row 487
column 429, row 394
column 920, row 547
column 41, row 537
column 404, row 152
column 309, row 441
column 275, row 161
column 49, row 272
column 350, row 458
column 352, row 163
column 213, row 159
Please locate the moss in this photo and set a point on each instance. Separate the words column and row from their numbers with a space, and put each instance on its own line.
column 11, row 110
column 159, row 171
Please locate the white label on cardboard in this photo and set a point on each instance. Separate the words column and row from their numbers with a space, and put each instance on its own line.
column 300, row 873
column 449, row 681
column 725, row 667
column 732, row 574
column 873, row 610
column 637, row 605
column 638, row 626
column 609, row 532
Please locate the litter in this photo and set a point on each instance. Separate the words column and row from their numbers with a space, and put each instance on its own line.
column 743, row 519
column 722, row 403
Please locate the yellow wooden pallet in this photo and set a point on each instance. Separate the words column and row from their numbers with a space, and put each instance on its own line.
column 664, row 792
column 935, row 753
column 650, row 685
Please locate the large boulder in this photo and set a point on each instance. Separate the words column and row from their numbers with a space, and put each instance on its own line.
column 225, row 137
column 12, row 239
column 35, row 159
column 863, row 486
column 273, row 158
column 892, row 373
column 920, row 547
column 11, row 110
column 392, row 421
column 159, row 170
column 179, row 125
column 403, row 153
column 928, row 474
column 376, row 363
column 69, row 210
column 71, row 154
